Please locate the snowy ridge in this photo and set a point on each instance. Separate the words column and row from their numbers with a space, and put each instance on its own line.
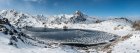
column 20, row 19
column 77, row 17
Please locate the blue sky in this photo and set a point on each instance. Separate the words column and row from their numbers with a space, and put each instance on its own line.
column 89, row 7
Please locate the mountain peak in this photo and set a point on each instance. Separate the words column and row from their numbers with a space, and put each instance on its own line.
column 12, row 10
column 78, row 13
column 78, row 17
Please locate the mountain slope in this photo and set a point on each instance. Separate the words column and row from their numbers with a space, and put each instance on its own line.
column 14, row 41
column 20, row 19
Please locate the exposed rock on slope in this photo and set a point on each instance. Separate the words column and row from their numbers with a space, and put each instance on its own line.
column 16, row 37
column 78, row 17
column 136, row 25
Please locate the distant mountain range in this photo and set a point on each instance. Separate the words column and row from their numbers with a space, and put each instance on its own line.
column 22, row 19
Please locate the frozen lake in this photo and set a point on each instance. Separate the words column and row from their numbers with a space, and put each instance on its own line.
column 71, row 36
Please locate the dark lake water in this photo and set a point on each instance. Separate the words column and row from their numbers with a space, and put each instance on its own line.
column 70, row 36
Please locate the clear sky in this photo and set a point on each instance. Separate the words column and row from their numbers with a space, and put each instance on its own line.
column 89, row 7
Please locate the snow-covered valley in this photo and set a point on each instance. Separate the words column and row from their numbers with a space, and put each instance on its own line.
column 24, row 33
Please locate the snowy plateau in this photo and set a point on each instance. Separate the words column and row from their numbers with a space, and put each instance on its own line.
column 75, row 33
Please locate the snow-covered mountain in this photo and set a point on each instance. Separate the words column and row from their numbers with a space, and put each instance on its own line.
column 21, row 19
column 77, row 17
column 16, row 37
column 14, row 40
column 78, row 20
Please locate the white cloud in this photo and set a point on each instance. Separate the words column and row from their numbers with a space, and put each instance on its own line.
column 33, row 0
column 5, row 2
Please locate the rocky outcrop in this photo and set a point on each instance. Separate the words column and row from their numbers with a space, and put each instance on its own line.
column 78, row 17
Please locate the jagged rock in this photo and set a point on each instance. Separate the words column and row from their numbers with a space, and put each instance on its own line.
column 11, row 33
column 14, row 38
column 136, row 25
column 78, row 17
